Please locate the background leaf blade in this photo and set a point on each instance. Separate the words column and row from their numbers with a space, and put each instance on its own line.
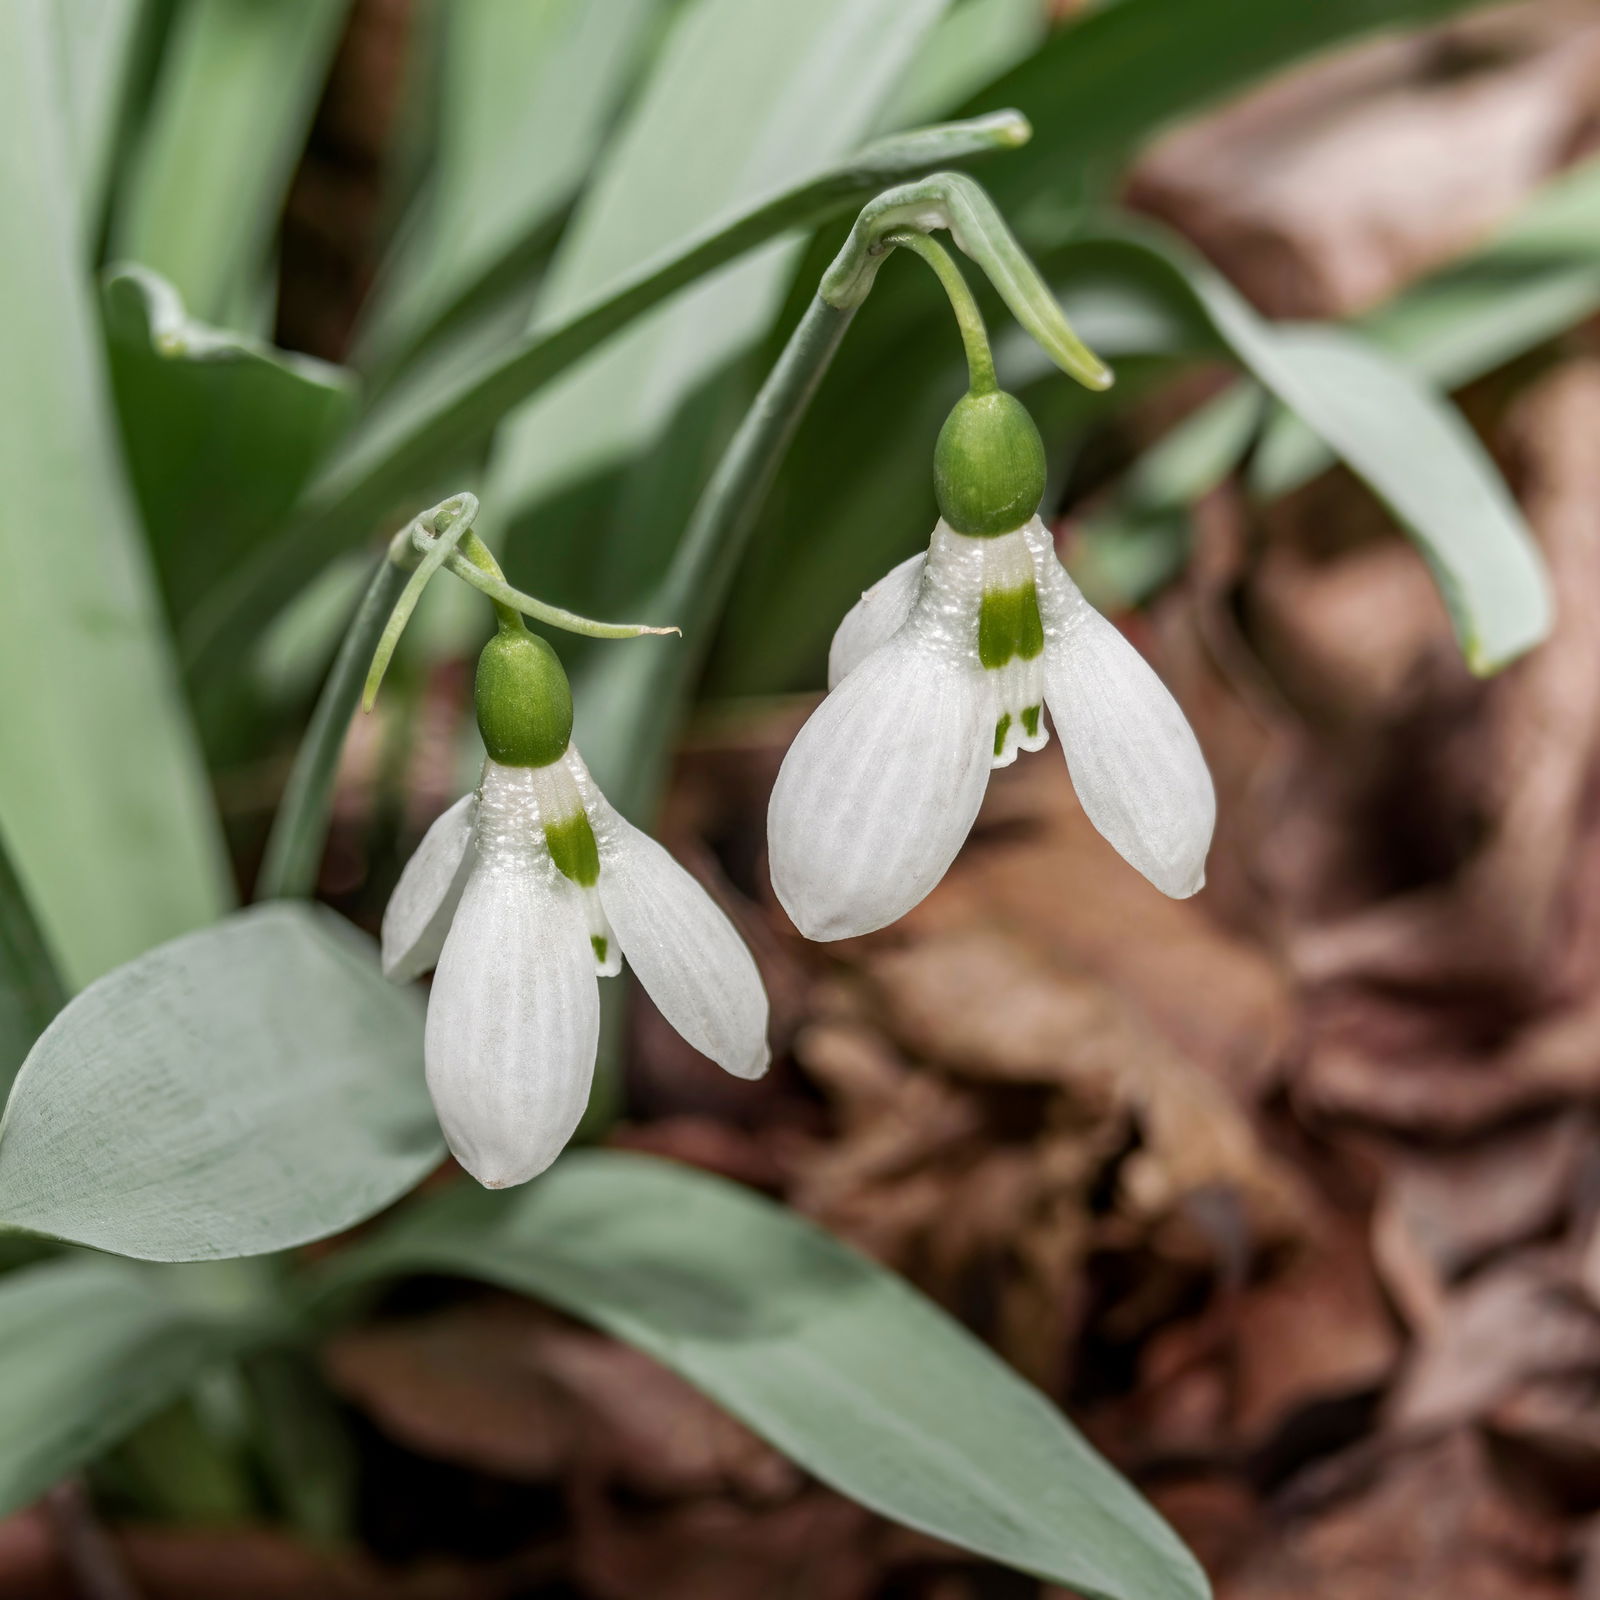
column 840, row 1364
column 102, row 798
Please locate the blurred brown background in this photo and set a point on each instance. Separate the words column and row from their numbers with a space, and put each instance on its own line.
column 1288, row 1193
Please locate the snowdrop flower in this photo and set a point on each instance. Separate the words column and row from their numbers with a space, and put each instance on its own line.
column 525, row 892
column 943, row 671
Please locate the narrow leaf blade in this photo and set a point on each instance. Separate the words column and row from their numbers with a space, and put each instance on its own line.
column 232, row 109
column 102, row 799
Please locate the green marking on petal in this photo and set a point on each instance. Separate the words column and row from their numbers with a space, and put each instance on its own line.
column 1030, row 630
column 1001, row 729
column 572, row 848
column 1030, row 721
column 1009, row 625
column 599, row 945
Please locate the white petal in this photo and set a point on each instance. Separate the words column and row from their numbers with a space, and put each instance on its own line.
column 875, row 618
column 881, row 787
column 1134, row 759
column 419, row 911
column 683, row 949
column 513, row 1021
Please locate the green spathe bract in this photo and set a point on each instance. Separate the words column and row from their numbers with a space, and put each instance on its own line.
column 524, row 703
column 988, row 466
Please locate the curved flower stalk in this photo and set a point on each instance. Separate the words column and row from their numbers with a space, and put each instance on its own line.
column 944, row 670
column 524, row 893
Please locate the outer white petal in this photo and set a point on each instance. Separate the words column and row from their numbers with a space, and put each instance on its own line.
column 684, row 950
column 875, row 618
column 419, row 911
column 513, row 1020
column 1134, row 759
column 881, row 787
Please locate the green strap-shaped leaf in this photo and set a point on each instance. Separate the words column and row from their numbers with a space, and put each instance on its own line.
column 422, row 425
column 527, row 91
column 1405, row 441
column 1538, row 277
column 220, row 430
column 239, row 83
column 30, row 990
column 837, row 1362
column 89, row 1349
column 795, row 87
column 240, row 1090
column 97, row 41
column 102, row 801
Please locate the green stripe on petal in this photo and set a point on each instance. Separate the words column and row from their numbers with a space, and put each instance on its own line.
column 572, row 848
column 1001, row 729
column 1009, row 625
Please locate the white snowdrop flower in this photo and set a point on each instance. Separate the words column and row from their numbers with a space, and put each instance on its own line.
column 942, row 671
column 523, row 894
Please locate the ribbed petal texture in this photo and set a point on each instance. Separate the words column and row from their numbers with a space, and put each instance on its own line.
column 875, row 618
column 882, row 785
column 514, row 1016
column 1134, row 760
column 681, row 947
column 418, row 915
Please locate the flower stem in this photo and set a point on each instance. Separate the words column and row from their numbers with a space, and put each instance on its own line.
column 969, row 319
column 294, row 847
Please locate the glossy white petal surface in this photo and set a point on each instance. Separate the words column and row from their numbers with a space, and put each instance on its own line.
column 880, row 788
column 514, row 1015
column 684, row 951
column 875, row 618
column 1134, row 759
column 418, row 915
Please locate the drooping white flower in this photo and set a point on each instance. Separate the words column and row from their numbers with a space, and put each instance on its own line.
column 941, row 672
column 523, row 894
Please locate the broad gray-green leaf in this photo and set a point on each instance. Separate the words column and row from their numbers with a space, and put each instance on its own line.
column 528, row 88
column 30, row 991
column 89, row 1348
column 239, row 83
column 744, row 100
column 220, row 430
column 840, row 1364
column 102, row 800
column 242, row 1089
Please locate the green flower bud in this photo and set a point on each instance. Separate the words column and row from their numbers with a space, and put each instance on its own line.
column 988, row 466
column 523, row 699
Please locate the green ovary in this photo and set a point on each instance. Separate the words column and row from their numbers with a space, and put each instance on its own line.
column 1009, row 625
column 572, row 848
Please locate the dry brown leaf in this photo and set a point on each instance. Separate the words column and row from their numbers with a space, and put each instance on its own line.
column 1523, row 1319
column 508, row 1388
column 1334, row 185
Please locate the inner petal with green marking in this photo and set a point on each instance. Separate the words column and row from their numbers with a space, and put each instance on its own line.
column 1011, row 646
column 570, row 840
